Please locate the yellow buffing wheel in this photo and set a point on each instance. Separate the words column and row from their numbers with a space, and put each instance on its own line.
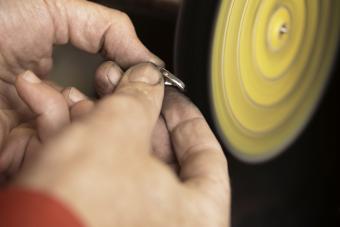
column 270, row 62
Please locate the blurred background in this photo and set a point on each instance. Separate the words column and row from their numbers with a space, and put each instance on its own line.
column 298, row 188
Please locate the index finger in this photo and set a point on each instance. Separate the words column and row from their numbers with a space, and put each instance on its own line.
column 201, row 158
column 93, row 28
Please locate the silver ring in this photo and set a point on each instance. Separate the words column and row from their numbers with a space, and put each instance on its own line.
column 171, row 80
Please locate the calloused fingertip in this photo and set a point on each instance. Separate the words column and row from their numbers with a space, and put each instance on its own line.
column 107, row 77
column 146, row 73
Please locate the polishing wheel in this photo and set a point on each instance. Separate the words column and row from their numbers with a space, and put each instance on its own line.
column 269, row 62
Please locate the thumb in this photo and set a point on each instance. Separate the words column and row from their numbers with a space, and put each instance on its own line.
column 45, row 101
column 93, row 28
column 132, row 111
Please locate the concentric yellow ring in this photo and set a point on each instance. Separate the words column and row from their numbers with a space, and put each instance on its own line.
column 278, row 29
column 270, row 62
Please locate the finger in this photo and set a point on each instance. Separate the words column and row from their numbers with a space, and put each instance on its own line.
column 9, row 119
column 131, row 113
column 15, row 149
column 45, row 101
column 54, row 85
column 92, row 27
column 21, row 143
column 161, row 144
column 201, row 159
column 107, row 77
column 162, row 147
column 78, row 103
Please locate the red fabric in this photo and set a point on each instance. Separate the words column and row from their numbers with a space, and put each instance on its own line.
column 24, row 208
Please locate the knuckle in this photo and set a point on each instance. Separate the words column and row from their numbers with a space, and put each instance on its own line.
column 133, row 101
column 125, row 19
column 190, row 126
column 126, row 108
column 124, row 103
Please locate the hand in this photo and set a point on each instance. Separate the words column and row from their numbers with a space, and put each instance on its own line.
column 53, row 109
column 108, row 76
column 29, row 30
column 49, row 115
column 101, row 166
column 48, row 104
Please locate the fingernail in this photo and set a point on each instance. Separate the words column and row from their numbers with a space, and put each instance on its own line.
column 76, row 96
column 30, row 77
column 148, row 74
column 157, row 61
column 114, row 75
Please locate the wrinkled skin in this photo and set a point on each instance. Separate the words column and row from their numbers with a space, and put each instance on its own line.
column 29, row 29
column 101, row 167
column 95, row 157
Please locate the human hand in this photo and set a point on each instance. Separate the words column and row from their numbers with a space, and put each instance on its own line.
column 29, row 30
column 48, row 102
column 52, row 109
column 107, row 77
column 101, row 166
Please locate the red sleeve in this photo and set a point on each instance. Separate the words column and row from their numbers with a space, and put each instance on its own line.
column 20, row 207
